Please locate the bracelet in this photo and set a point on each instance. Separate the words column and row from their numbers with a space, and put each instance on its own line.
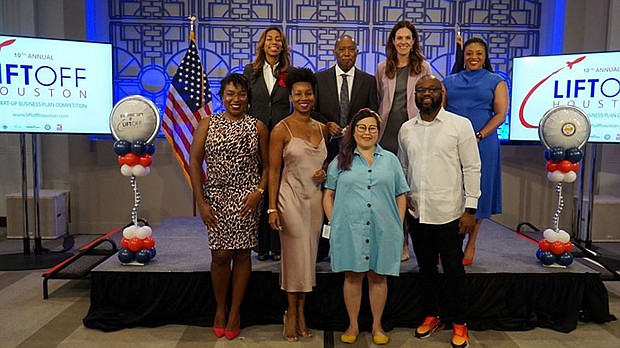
column 471, row 211
column 260, row 190
column 479, row 136
column 269, row 211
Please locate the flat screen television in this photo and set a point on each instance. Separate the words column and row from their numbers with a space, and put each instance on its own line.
column 589, row 81
column 55, row 86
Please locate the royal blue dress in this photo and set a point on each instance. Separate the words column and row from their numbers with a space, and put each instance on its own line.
column 366, row 229
column 470, row 94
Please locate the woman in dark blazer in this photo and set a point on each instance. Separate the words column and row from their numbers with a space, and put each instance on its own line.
column 270, row 104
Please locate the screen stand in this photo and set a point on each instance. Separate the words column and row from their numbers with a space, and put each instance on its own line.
column 583, row 237
column 38, row 248
column 26, row 235
column 26, row 261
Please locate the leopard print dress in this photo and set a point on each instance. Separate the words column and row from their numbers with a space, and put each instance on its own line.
column 233, row 171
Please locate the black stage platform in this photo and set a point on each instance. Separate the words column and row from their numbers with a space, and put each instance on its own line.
column 508, row 289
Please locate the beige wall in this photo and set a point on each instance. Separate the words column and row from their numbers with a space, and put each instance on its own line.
column 101, row 198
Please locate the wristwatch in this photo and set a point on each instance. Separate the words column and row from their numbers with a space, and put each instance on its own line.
column 269, row 211
column 479, row 136
column 471, row 211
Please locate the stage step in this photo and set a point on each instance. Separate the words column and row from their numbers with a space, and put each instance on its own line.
column 80, row 264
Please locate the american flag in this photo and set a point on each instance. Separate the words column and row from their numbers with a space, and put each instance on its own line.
column 188, row 102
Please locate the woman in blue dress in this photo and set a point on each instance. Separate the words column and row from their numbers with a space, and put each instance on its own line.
column 365, row 202
column 480, row 95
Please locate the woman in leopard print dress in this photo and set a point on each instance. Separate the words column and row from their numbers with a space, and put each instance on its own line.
column 235, row 148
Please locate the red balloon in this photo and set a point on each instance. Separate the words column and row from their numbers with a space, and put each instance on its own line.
column 124, row 243
column 568, row 247
column 574, row 167
column 565, row 166
column 557, row 247
column 131, row 159
column 121, row 160
column 552, row 167
column 145, row 160
column 135, row 244
column 148, row 243
column 544, row 245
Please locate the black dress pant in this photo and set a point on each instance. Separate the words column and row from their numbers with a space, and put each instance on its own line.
column 268, row 240
column 430, row 243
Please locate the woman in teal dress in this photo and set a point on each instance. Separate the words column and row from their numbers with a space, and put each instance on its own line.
column 365, row 202
column 482, row 96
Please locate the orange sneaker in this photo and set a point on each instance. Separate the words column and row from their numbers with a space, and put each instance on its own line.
column 428, row 327
column 460, row 339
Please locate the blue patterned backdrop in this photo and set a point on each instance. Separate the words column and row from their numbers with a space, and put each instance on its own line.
column 150, row 36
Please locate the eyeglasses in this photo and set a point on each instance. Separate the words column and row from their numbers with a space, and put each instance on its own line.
column 422, row 90
column 362, row 128
column 240, row 95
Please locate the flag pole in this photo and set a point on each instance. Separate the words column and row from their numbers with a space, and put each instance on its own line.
column 192, row 39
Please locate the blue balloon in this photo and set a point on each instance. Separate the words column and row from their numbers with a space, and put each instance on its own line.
column 538, row 253
column 153, row 253
column 564, row 259
column 557, row 154
column 122, row 147
column 143, row 256
column 547, row 258
column 150, row 149
column 574, row 154
column 125, row 255
column 138, row 147
column 547, row 155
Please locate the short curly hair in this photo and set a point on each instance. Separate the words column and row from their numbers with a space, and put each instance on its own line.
column 299, row 75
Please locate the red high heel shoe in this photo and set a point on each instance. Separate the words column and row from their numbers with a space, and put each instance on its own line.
column 469, row 262
column 219, row 331
column 230, row 335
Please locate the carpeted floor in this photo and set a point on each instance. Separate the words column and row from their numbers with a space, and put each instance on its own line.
column 29, row 321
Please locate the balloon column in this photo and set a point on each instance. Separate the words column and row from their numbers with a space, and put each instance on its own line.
column 563, row 130
column 134, row 123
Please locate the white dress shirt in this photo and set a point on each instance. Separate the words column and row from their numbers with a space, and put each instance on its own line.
column 442, row 165
column 350, row 76
column 270, row 80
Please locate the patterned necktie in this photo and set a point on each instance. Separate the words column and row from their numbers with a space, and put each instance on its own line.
column 344, row 101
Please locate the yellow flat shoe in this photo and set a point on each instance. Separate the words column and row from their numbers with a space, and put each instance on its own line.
column 350, row 339
column 380, row 340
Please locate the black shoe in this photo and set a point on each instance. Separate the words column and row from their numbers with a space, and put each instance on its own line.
column 276, row 257
column 263, row 257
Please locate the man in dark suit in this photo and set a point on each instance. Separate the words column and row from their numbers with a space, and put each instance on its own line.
column 335, row 105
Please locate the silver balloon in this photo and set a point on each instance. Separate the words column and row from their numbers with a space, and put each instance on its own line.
column 135, row 118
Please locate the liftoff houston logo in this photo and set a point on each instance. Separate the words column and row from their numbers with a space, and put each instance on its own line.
column 540, row 83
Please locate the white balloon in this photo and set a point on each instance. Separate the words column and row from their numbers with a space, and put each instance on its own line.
column 148, row 171
column 126, row 170
column 570, row 176
column 563, row 236
column 143, row 232
column 550, row 235
column 130, row 231
column 138, row 170
column 556, row 176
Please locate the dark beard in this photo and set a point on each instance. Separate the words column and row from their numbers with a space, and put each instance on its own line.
column 427, row 110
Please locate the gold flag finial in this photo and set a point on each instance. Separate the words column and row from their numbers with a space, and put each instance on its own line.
column 192, row 19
